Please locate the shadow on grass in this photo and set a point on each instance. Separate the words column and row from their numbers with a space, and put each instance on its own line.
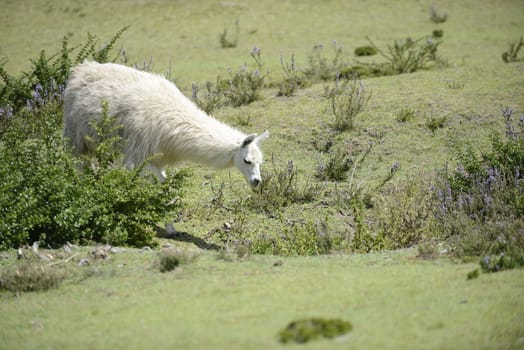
column 171, row 233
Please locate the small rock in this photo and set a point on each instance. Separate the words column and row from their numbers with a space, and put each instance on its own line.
column 145, row 249
column 227, row 226
column 100, row 253
column 83, row 262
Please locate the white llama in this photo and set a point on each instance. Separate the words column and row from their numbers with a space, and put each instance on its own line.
column 157, row 119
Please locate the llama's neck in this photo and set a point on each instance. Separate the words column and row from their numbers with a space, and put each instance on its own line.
column 205, row 140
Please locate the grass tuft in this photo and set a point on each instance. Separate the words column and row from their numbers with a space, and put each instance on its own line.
column 513, row 51
column 30, row 277
column 171, row 258
column 225, row 41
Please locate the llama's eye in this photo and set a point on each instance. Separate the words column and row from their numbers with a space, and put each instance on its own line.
column 247, row 161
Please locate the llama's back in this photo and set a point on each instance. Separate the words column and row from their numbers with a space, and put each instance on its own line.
column 126, row 90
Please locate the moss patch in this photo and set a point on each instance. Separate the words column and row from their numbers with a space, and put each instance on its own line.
column 302, row 331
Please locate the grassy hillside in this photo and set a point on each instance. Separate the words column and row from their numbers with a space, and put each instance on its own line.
column 413, row 122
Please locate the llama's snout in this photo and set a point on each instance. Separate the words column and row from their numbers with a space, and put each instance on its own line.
column 255, row 182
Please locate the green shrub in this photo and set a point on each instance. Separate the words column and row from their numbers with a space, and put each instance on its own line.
column 43, row 195
column 320, row 67
column 47, row 76
column 480, row 206
column 45, row 198
column 171, row 258
column 407, row 56
column 366, row 51
column 299, row 239
column 303, row 331
column 243, row 87
column 346, row 99
column 502, row 262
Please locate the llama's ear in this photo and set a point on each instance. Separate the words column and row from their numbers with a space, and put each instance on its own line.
column 248, row 140
column 262, row 137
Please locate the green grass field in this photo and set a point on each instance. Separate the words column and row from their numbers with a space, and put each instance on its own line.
column 394, row 300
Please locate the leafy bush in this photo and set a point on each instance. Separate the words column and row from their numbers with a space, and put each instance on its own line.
column 346, row 99
column 45, row 198
column 480, row 205
column 407, row 56
column 366, row 50
column 171, row 258
column 43, row 195
column 241, row 88
column 48, row 75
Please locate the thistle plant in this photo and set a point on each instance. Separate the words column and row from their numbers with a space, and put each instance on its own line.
column 293, row 77
column 346, row 99
column 243, row 87
column 321, row 68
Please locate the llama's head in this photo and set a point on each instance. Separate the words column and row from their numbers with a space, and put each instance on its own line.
column 249, row 157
